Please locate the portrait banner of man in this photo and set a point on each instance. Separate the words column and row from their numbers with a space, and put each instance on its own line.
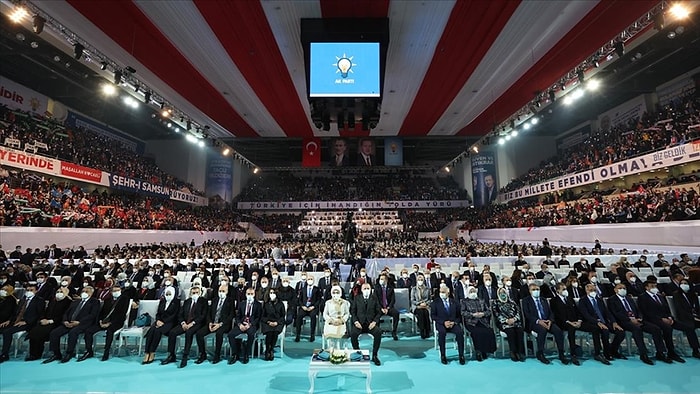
column 485, row 185
column 366, row 156
column 340, row 156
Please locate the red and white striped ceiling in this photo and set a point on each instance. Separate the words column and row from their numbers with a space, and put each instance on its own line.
column 453, row 67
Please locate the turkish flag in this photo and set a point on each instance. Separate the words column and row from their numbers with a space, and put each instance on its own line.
column 311, row 152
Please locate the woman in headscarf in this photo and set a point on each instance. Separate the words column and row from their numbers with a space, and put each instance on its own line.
column 477, row 320
column 335, row 315
column 164, row 322
column 507, row 314
column 420, row 304
column 273, row 317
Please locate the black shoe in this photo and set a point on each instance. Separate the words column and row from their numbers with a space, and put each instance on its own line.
column 543, row 359
column 479, row 357
column 521, row 357
column 245, row 360
column 443, row 360
column 85, row 356
column 396, row 337
column 608, row 356
column 51, row 359
column 462, row 361
column 202, row 358
column 675, row 357
column 376, row 361
column 216, row 360
column 183, row 363
column 31, row 358
column 297, row 339
column 696, row 353
column 602, row 359
column 272, row 356
column 514, row 357
column 563, row 359
column 168, row 360
column 619, row 356
column 574, row 360
column 3, row 358
column 233, row 359
column 646, row 360
column 67, row 358
column 312, row 338
column 664, row 358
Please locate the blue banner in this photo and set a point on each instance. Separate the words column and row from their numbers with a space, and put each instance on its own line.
column 76, row 120
column 484, row 180
column 219, row 182
column 393, row 151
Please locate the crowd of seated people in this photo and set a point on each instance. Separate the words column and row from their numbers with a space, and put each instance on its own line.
column 249, row 297
column 676, row 123
column 84, row 147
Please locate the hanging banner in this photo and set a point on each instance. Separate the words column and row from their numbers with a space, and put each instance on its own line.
column 393, row 151
column 219, row 181
column 311, row 152
column 484, row 181
column 651, row 161
column 16, row 96
column 341, row 205
column 76, row 120
column 632, row 109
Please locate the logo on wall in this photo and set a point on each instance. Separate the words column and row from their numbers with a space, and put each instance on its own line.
column 344, row 65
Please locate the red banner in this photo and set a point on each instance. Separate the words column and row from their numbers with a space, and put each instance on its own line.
column 311, row 152
column 79, row 172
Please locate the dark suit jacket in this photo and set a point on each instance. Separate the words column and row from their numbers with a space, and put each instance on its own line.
column 530, row 311
column 685, row 304
column 255, row 314
column 316, row 296
column 87, row 315
column 115, row 311
column 365, row 311
column 435, row 280
column 198, row 315
column 361, row 160
column 46, row 291
column 33, row 312
column 484, row 294
column 618, row 310
column 564, row 312
column 440, row 315
column 588, row 312
column 651, row 310
column 227, row 310
column 402, row 283
column 168, row 316
column 390, row 296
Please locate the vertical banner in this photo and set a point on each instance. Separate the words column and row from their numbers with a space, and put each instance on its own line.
column 311, row 152
column 484, row 179
column 219, row 182
column 393, row 151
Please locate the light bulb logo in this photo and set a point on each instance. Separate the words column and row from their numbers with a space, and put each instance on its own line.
column 344, row 64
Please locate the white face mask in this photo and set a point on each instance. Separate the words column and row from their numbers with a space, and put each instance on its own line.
column 84, row 295
column 285, row 284
column 29, row 294
column 622, row 292
column 594, row 279
column 60, row 296
column 224, row 283
column 617, row 281
column 310, row 282
column 381, row 283
column 404, row 275
column 275, row 276
column 250, row 298
column 263, row 285
column 64, row 283
column 169, row 297
column 201, row 275
column 530, row 281
column 3, row 293
column 654, row 290
column 633, row 279
column 303, row 277
column 134, row 270
column 39, row 280
column 240, row 273
column 195, row 297
column 536, row 293
column 222, row 294
column 685, row 287
column 420, row 282
column 363, row 274
column 443, row 296
column 593, row 294
column 116, row 294
column 254, row 278
column 168, row 282
column 167, row 274
column 508, row 283
column 327, row 274
column 273, row 296
column 574, row 284
column 487, row 283
column 472, row 296
column 127, row 284
column 366, row 293
column 415, row 270
column 151, row 273
column 335, row 296
column 565, row 293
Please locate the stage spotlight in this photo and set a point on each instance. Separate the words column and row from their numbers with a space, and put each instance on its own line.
column 514, row 133
column 38, row 24
column 147, row 97
column 78, row 49
column 593, row 85
column 534, row 120
column 501, row 141
column 256, row 170
column 659, row 21
column 103, row 65
column 117, row 77
column 108, row 89
column 679, row 11
column 18, row 14
column 201, row 144
column 475, row 149
column 226, row 151
column 619, row 48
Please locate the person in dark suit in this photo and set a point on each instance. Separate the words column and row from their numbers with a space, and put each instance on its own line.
column 460, row 288
column 568, row 318
column 487, row 290
column 340, row 156
column 111, row 318
column 166, row 316
column 513, row 293
column 23, row 316
column 50, row 318
column 365, row 155
column 246, row 321
column 404, row 281
column 366, row 312
column 81, row 315
column 272, row 323
column 387, row 300
column 192, row 316
column 446, row 316
column 219, row 319
column 687, row 309
column 540, row 319
column 600, row 323
column 287, row 293
column 472, row 274
column 44, row 289
column 625, row 312
column 635, row 287
column 655, row 310
column 309, row 303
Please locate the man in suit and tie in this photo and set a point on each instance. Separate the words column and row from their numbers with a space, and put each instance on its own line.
column 192, row 316
column 219, row 319
column 625, row 311
column 111, row 318
column 487, row 290
column 246, row 321
column 600, row 323
column 30, row 309
column 446, row 316
column 687, row 308
column 340, row 158
column 569, row 318
column 365, row 156
column 309, row 302
column 366, row 312
column 43, row 289
column 490, row 191
column 540, row 320
column 81, row 315
column 459, row 290
column 655, row 310
column 387, row 300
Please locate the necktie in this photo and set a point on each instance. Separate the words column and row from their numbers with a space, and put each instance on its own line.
column 217, row 317
column 77, row 311
column 627, row 306
column 489, row 290
column 656, row 298
column 427, row 282
column 22, row 309
column 190, row 316
column 540, row 309
column 447, row 306
column 367, row 161
column 597, row 309
column 575, row 293
column 247, row 309
column 384, row 301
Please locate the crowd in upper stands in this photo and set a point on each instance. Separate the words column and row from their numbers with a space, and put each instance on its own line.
column 676, row 123
column 84, row 147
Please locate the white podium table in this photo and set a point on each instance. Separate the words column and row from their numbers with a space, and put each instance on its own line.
column 317, row 366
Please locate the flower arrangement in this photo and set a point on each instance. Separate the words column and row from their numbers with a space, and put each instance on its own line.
column 338, row 356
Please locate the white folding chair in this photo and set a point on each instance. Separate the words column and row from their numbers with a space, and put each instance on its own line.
column 145, row 306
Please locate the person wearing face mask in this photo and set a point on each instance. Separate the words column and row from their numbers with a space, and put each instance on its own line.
column 16, row 318
column 635, row 287
column 263, row 290
column 544, row 270
column 421, row 299
column 44, row 289
column 525, row 288
column 446, row 315
column 387, row 300
column 335, row 315
column 165, row 319
column 655, row 309
column 437, row 277
column 624, row 310
column 685, row 299
column 78, row 318
column 66, row 283
column 111, row 319
column 568, row 317
column 487, row 290
column 413, row 275
column 324, row 283
column 598, row 320
column 513, row 293
column 49, row 319
column 168, row 281
column 219, row 318
column 476, row 316
column 309, row 302
column 572, row 286
column 275, row 280
column 272, row 323
column 540, row 319
column 192, row 316
column 201, row 274
column 404, row 280
column 246, row 321
column 366, row 312
column 508, row 321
